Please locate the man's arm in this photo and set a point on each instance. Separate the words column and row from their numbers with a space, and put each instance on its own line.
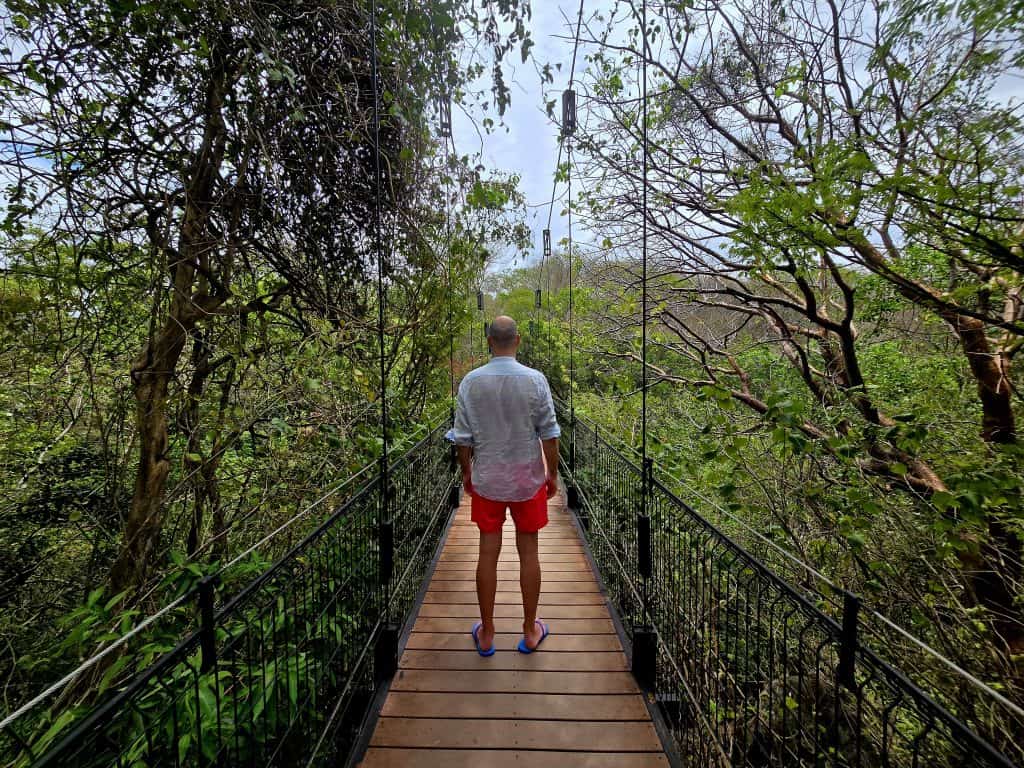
column 546, row 425
column 462, row 434
column 466, row 462
column 551, row 460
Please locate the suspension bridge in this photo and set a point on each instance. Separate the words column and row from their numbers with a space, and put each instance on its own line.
column 672, row 644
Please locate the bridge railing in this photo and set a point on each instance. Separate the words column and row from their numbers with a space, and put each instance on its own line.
column 745, row 669
column 283, row 672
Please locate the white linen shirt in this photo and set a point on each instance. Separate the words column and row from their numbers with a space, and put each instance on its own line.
column 504, row 410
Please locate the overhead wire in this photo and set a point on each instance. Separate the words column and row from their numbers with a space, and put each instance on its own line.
column 554, row 184
column 646, row 464
column 385, row 506
column 570, row 261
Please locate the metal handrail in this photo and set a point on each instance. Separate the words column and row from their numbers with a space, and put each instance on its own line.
column 315, row 629
column 745, row 665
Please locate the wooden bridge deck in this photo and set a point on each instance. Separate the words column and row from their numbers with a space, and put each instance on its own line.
column 573, row 703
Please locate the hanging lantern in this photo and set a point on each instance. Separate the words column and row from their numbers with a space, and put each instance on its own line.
column 480, row 300
column 536, row 298
column 568, row 112
column 444, row 116
column 547, row 243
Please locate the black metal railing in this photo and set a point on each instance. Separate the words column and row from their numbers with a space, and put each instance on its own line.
column 744, row 668
column 284, row 671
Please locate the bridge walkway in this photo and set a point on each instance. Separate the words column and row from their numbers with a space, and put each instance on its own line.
column 573, row 704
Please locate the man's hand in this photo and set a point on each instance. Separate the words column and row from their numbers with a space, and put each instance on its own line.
column 465, row 453
column 550, row 448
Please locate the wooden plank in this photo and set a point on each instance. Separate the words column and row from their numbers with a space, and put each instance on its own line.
column 568, row 626
column 506, row 611
column 533, row 706
column 574, row 584
column 386, row 757
column 547, row 597
column 509, row 551
column 574, row 736
column 573, row 704
column 512, row 569
column 508, row 658
column 504, row 557
column 514, row 681
column 555, row 643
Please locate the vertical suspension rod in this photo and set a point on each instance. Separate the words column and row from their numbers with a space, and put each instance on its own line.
column 572, row 364
column 381, row 290
column 644, row 503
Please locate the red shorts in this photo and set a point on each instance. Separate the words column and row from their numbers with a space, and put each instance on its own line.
column 529, row 516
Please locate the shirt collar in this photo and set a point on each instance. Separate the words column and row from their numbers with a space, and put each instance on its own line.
column 503, row 360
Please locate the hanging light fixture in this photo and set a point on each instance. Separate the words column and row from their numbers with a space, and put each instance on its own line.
column 568, row 112
column 444, row 116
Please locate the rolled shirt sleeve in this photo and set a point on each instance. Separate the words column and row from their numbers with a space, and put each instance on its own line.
column 545, row 421
column 461, row 432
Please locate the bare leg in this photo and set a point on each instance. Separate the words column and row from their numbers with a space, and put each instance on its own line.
column 487, row 584
column 529, row 583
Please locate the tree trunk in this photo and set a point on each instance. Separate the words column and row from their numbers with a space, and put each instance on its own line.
column 151, row 375
column 190, row 303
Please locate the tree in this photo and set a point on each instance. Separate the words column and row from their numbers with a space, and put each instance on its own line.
column 795, row 150
column 231, row 146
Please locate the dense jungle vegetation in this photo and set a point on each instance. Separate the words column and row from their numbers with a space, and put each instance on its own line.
column 835, row 234
column 189, row 302
column 189, row 307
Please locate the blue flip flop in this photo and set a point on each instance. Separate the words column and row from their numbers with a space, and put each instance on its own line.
column 476, row 641
column 545, row 631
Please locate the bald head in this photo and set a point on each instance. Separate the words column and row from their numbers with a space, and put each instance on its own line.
column 503, row 335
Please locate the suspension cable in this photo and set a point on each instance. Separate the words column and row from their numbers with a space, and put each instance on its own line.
column 646, row 461
column 385, row 506
column 572, row 365
column 570, row 262
column 551, row 204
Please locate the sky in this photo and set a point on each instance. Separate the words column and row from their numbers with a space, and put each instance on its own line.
column 529, row 147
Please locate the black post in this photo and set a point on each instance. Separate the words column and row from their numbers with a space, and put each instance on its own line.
column 207, row 628
column 848, row 641
column 643, row 546
column 572, row 440
column 385, row 653
column 386, row 540
column 645, row 657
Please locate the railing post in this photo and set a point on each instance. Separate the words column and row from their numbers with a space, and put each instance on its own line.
column 385, row 651
column 643, row 546
column 386, row 542
column 848, row 641
column 645, row 656
column 572, row 440
column 645, row 641
column 643, row 526
column 207, row 627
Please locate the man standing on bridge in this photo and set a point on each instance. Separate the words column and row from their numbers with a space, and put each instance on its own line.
column 507, row 438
